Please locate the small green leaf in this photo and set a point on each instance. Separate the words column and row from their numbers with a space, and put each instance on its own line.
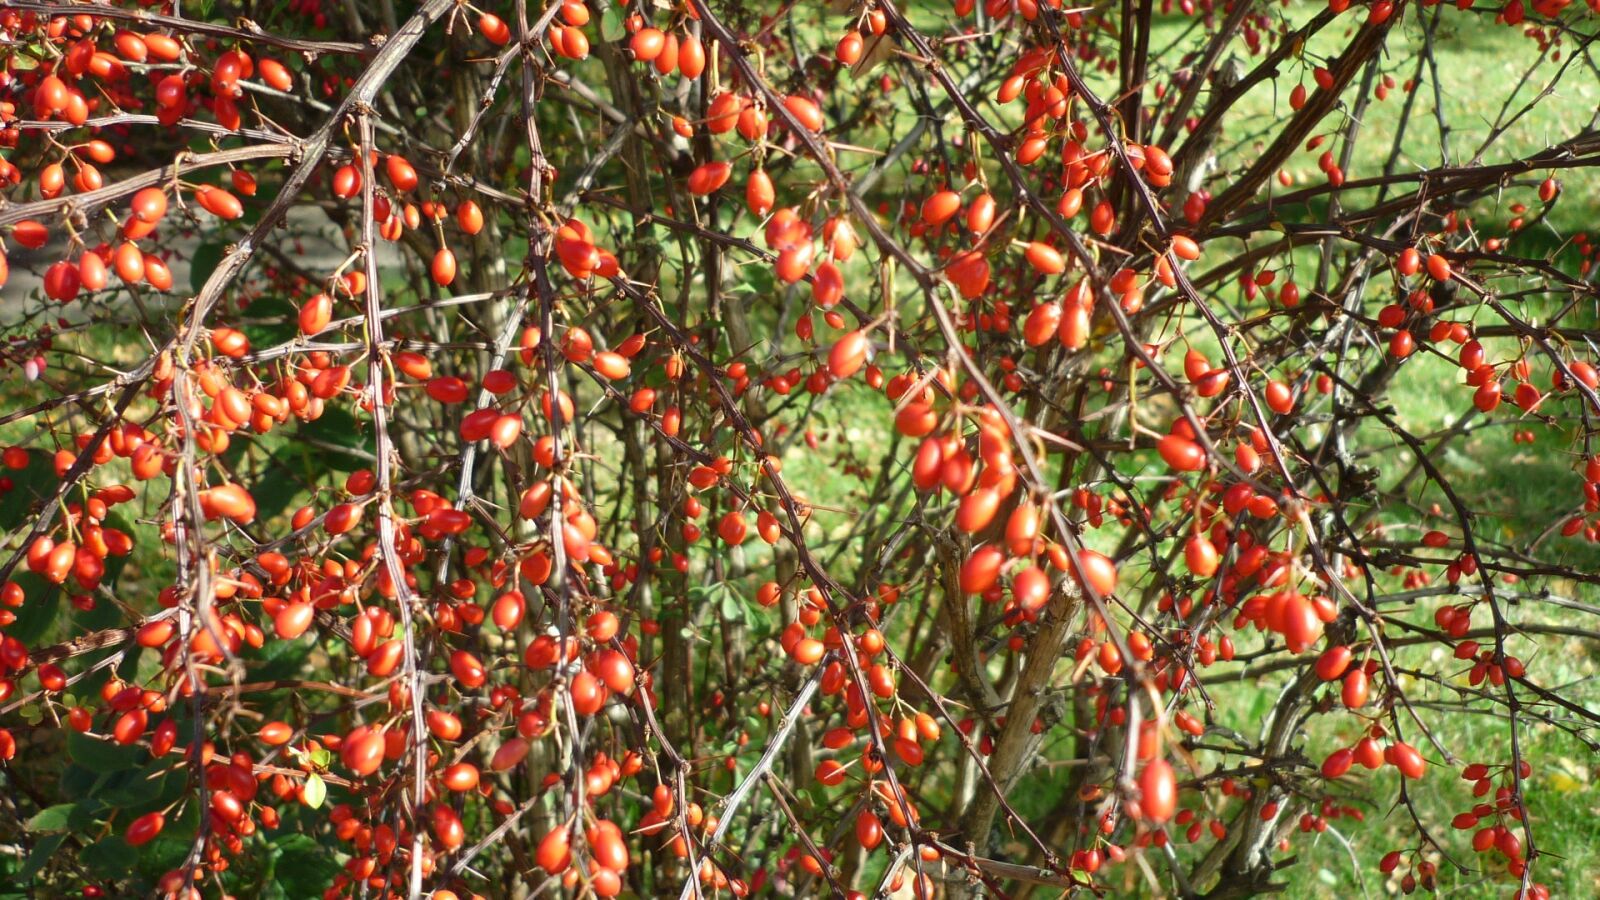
column 134, row 788
column 733, row 609
column 85, row 813
column 108, row 858
column 203, row 262
column 37, row 617
column 280, row 484
column 270, row 321
column 171, row 847
column 51, row 818
column 304, row 867
column 101, row 756
column 78, row 781
column 612, row 28
column 315, row 791
column 334, row 430
column 42, row 851
column 282, row 659
column 30, row 485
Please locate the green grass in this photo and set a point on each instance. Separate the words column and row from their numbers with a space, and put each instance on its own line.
column 1521, row 488
column 1518, row 489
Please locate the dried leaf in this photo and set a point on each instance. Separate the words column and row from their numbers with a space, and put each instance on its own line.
column 878, row 48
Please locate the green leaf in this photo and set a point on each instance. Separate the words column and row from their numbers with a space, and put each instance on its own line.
column 101, row 756
column 66, row 817
column 282, row 659
column 315, row 791
column 304, row 867
column 135, row 788
column 78, row 781
column 38, row 612
column 52, row 818
column 734, row 609
column 43, row 850
column 706, row 593
column 280, row 484
column 203, row 262
column 612, row 28
column 730, row 605
column 86, row 812
column 337, row 429
column 109, row 858
column 29, row 486
column 172, row 846
column 127, row 670
column 270, row 321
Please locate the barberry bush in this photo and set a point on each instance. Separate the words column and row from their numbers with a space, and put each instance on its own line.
column 860, row 449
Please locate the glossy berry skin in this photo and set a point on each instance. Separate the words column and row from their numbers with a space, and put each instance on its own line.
column 1158, row 791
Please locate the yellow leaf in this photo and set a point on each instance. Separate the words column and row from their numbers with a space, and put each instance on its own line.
column 877, row 50
column 1564, row 783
